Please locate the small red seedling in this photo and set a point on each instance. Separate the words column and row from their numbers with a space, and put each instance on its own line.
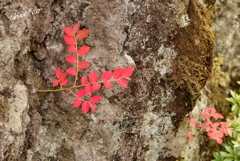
column 90, row 83
column 215, row 130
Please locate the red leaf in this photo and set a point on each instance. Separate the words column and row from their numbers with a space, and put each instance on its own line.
column 81, row 93
column 118, row 73
column 58, row 72
column 55, row 83
column 64, row 82
column 93, row 108
column 229, row 131
column 84, row 80
column 72, row 49
column 85, row 107
column 72, row 71
column 69, row 40
column 123, row 83
column 82, row 34
column 63, row 76
column 93, row 77
column 75, row 27
column 106, row 75
column 127, row 78
column 83, row 64
column 88, row 89
column 228, row 124
column 128, row 72
column 68, row 31
column 71, row 59
column 83, row 50
column 96, row 86
column 77, row 102
column 107, row 84
column 190, row 135
column 95, row 99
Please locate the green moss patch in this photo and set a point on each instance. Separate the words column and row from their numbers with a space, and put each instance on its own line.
column 195, row 44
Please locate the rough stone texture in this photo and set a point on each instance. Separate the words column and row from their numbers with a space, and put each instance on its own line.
column 226, row 30
column 227, row 34
column 13, row 116
column 201, row 149
column 195, row 150
column 168, row 42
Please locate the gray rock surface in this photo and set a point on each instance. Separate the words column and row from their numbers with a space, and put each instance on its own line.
column 169, row 43
column 227, row 38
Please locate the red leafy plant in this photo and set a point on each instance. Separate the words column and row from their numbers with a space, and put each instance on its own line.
column 214, row 130
column 90, row 83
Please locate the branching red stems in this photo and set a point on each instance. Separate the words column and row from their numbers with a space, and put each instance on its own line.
column 90, row 83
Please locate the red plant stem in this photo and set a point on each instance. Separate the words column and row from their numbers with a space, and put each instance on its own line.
column 204, row 128
column 64, row 89
column 55, row 90
column 76, row 76
column 72, row 92
column 76, row 95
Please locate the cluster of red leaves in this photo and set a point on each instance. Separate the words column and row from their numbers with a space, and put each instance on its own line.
column 71, row 38
column 215, row 130
column 61, row 78
column 90, row 83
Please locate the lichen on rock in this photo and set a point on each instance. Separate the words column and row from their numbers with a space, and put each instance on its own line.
column 160, row 39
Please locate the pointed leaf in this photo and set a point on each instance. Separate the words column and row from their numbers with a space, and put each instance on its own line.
column 83, row 64
column 81, row 93
column 83, row 50
column 228, row 123
column 85, row 107
column 106, row 75
column 123, row 83
column 69, row 40
column 77, row 102
column 107, row 84
column 118, row 73
column 75, row 27
column 72, row 71
column 68, row 31
column 82, row 34
column 96, row 86
column 58, row 72
column 63, row 76
column 71, row 59
column 72, row 49
column 128, row 72
column 55, row 83
column 93, row 77
column 229, row 132
column 88, row 89
column 64, row 82
column 217, row 116
column 127, row 78
column 84, row 80
column 93, row 108
column 95, row 99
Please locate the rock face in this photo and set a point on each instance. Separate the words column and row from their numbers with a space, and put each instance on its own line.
column 170, row 45
column 226, row 30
